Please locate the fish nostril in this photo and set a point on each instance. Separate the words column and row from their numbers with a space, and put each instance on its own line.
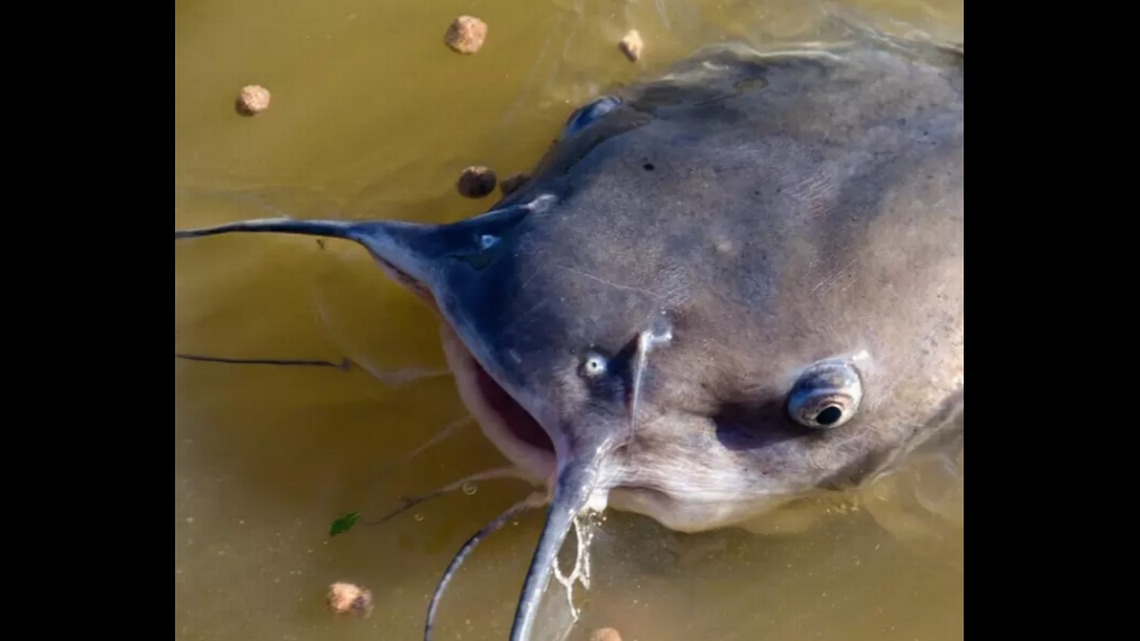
column 594, row 365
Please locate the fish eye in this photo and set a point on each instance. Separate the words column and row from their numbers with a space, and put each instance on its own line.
column 826, row 396
column 586, row 115
column 594, row 365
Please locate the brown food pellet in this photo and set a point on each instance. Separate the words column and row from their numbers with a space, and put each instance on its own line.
column 512, row 184
column 631, row 45
column 252, row 100
column 347, row 598
column 476, row 182
column 466, row 34
column 605, row 634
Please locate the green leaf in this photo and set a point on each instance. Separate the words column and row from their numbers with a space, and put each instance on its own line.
column 344, row 523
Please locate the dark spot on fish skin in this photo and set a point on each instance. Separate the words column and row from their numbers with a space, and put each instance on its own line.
column 648, row 166
column 621, row 121
column 751, row 84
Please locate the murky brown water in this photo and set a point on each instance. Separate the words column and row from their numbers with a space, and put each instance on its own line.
column 373, row 116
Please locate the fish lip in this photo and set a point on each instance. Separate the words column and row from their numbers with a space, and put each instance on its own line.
column 514, row 431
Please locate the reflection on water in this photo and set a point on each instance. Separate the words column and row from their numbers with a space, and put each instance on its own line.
column 373, row 116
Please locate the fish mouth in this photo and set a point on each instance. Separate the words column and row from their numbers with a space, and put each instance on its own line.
column 503, row 420
column 400, row 250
